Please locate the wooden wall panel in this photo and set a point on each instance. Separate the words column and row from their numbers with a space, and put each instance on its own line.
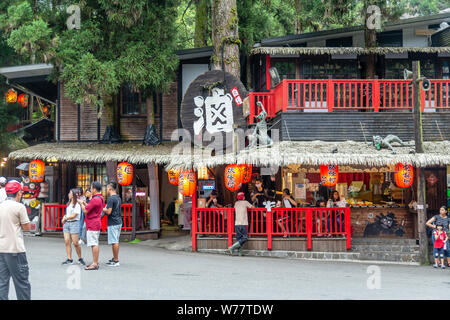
column 132, row 128
column 88, row 123
column 69, row 120
column 170, row 111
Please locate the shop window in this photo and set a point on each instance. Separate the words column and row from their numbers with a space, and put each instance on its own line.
column 394, row 68
column 340, row 42
column 390, row 38
column 286, row 69
column 86, row 174
column 132, row 103
column 335, row 69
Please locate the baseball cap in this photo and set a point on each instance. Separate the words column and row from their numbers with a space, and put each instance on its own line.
column 3, row 180
column 13, row 187
column 240, row 196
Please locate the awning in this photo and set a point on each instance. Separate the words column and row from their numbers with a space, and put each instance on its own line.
column 345, row 50
column 307, row 153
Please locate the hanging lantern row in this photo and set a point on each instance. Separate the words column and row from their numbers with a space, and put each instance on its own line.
column 187, row 183
column 173, row 175
column 124, row 173
column 329, row 175
column 202, row 173
column 11, row 96
column 236, row 175
column 233, row 177
column 403, row 175
column 23, row 100
column 36, row 171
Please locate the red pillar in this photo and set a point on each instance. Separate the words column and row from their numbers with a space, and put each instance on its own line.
column 194, row 216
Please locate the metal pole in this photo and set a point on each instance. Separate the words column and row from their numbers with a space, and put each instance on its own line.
column 418, row 137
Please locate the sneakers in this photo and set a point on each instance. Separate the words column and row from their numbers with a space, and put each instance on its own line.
column 80, row 242
column 112, row 263
column 81, row 261
column 443, row 267
column 435, row 265
column 68, row 261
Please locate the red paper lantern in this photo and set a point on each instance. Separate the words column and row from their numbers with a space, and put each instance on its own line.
column 187, row 183
column 124, row 173
column 23, row 100
column 233, row 177
column 36, row 171
column 404, row 175
column 11, row 96
column 173, row 175
column 246, row 172
column 329, row 175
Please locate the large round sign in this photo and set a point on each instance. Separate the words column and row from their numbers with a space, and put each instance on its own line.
column 212, row 109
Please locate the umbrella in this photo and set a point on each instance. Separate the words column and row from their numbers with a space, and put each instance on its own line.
column 23, row 166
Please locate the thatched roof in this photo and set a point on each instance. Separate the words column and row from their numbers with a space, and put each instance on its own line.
column 306, row 153
column 345, row 50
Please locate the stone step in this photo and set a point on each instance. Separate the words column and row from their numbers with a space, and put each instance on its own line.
column 383, row 241
column 389, row 256
column 385, row 248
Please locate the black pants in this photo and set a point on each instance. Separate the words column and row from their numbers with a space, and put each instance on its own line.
column 14, row 265
column 241, row 234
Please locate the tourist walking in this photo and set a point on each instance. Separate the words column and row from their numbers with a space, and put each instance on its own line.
column 93, row 213
column 71, row 228
column 13, row 259
column 113, row 211
column 241, row 222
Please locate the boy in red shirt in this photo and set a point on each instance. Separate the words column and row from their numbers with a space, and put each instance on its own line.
column 440, row 238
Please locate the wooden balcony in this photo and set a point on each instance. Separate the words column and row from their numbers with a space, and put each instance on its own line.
column 340, row 95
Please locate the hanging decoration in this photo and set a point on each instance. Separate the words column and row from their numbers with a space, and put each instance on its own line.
column 11, row 96
column 404, row 175
column 233, row 177
column 329, row 175
column 124, row 173
column 23, row 100
column 173, row 175
column 202, row 173
column 246, row 172
column 187, row 183
column 36, row 171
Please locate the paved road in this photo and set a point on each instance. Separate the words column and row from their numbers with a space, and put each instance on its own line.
column 154, row 273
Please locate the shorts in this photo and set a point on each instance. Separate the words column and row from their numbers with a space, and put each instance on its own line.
column 92, row 238
column 114, row 234
column 438, row 252
column 72, row 227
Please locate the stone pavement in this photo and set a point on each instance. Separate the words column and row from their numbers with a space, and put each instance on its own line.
column 149, row 272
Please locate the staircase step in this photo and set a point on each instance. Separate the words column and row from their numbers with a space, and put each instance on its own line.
column 383, row 241
column 389, row 256
column 386, row 248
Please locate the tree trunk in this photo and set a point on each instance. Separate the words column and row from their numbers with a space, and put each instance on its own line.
column 370, row 39
column 149, row 105
column 225, row 36
column 201, row 23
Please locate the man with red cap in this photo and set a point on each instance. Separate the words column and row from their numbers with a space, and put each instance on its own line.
column 13, row 259
column 240, row 223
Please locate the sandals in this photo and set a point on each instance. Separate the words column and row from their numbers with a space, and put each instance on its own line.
column 91, row 267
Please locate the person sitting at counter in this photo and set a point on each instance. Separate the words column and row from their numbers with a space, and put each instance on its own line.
column 259, row 194
column 334, row 219
column 213, row 202
column 443, row 219
column 288, row 201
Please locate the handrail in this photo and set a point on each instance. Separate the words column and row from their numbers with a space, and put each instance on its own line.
column 348, row 94
column 307, row 222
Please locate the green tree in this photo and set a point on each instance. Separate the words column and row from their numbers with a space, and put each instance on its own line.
column 127, row 41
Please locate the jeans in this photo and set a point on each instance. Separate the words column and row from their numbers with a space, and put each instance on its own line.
column 82, row 230
column 241, row 234
column 14, row 265
column 331, row 223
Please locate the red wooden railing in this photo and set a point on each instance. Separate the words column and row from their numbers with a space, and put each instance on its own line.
column 306, row 222
column 345, row 94
column 53, row 214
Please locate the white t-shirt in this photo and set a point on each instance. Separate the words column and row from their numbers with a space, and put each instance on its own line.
column 3, row 195
column 287, row 203
column 71, row 210
column 12, row 215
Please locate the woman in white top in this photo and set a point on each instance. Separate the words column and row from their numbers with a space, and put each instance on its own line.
column 71, row 222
